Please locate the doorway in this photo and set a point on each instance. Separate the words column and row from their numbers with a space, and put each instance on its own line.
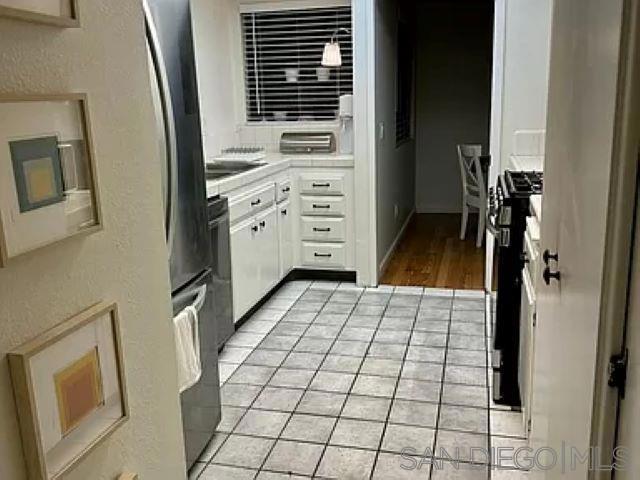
column 433, row 85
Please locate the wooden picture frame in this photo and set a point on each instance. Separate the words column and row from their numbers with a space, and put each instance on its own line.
column 23, row 364
column 27, row 15
column 81, row 98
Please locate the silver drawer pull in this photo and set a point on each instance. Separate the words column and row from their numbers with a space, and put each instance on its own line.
column 317, row 229
column 322, row 255
column 315, row 205
column 321, row 185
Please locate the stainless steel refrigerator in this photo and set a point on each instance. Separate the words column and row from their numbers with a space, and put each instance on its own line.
column 175, row 96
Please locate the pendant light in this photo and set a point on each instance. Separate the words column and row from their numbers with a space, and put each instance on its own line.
column 332, row 57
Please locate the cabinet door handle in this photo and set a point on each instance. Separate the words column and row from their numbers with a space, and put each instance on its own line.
column 263, row 224
column 321, row 185
column 284, row 212
column 317, row 229
column 315, row 205
column 548, row 275
column 286, row 189
column 322, row 255
column 256, row 203
column 254, row 228
column 547, row 256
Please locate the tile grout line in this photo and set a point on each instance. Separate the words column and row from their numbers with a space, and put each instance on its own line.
column 210, row 461
column 442, row 379
column 355, row 377
column 395, row 390
column 306, row 389
column 327, row 352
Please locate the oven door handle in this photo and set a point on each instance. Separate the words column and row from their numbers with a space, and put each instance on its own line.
column 491, row 224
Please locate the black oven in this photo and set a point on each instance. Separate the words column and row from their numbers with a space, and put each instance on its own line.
column 508, row 212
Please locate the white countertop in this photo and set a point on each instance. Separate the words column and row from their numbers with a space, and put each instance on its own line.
column 276, row 163
column 536, row 206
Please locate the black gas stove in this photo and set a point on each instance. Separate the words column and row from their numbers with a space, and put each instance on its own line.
column 508, row 212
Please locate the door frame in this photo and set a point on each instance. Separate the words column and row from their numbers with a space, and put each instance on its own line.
column 495, row 133
column 619, row 241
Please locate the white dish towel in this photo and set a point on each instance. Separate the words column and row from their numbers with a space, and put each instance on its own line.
column 187, row 348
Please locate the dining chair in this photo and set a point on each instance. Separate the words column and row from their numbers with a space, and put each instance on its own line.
column 474, row 190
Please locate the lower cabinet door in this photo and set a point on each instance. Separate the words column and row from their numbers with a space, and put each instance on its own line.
column 268, row 250
column 245, row 262
column 328, row 255
column 285, row 234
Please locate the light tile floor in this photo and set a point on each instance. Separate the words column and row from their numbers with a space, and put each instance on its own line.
column 332, row 381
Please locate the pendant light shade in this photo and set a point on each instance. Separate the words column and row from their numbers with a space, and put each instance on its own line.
column 331, row 56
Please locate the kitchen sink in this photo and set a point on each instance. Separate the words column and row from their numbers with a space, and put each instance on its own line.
column 218, row 170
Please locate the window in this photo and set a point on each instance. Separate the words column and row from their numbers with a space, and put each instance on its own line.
column 405, row 85
column 284, row 79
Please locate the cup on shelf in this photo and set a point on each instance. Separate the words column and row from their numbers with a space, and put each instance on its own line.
column 323, row 74
column 280, row 116
column 291, row 74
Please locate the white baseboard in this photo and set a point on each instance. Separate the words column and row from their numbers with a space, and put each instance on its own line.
column 394, row 244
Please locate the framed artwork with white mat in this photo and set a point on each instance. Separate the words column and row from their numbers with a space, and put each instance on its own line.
column 59, row 13
column 70, row 390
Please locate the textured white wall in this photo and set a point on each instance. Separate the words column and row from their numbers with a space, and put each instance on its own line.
column 526, row 70
column 125, row 263
column 395, row 164
column 215, row 25
column 453, row 97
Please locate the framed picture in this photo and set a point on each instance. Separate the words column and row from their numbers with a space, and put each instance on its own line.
column 61, row 13
column 48, row 184
column 70, row 390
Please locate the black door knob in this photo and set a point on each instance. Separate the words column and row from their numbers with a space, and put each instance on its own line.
column 547, row 256
column 548, row 275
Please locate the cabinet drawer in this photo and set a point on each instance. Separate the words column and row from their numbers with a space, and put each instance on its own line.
column 325, row 184
column 323, row 206
column 323, row 254
column 283, row 190
column 251, row 202
column 327, row 229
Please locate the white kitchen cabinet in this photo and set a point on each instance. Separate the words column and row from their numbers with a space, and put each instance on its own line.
column 250, row 202
column 527, row 346
column 322, row 184
column 324, row 206
column 301, row 218
column 285, row 235
column 267, row 248
column 324, row 255
column 318, row 229
column 245, row 266
column 255, row 259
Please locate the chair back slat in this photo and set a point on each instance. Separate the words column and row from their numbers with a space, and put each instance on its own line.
column 471, row 170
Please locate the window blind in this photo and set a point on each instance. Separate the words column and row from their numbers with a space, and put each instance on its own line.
column 405, row 85
column 284, row 79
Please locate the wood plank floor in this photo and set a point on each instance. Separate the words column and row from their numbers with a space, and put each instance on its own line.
column 431, row 254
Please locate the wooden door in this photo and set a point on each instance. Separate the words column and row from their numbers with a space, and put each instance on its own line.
column 583, row 93
column 628, row 442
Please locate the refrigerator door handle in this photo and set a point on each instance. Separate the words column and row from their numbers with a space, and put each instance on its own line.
column 198, row 303
column 169, row 121
column 199, row 295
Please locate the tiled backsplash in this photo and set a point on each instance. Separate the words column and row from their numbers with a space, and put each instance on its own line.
column 529, row 142
column 268, row 135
